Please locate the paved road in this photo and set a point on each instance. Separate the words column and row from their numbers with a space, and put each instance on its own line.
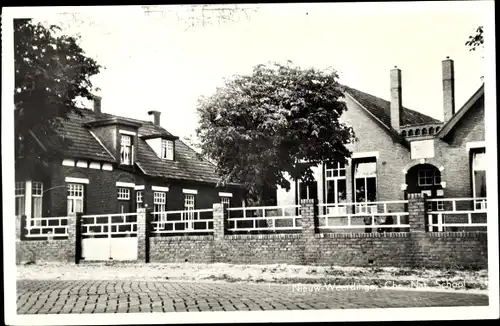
column 62, row 297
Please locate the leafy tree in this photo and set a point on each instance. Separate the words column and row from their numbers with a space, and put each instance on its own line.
column 477, row 40
column 51, row 73
column 260, row 128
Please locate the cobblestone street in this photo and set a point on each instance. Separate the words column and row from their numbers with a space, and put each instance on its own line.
column 62, row 297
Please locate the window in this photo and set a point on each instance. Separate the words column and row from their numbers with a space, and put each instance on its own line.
column 20, row 198
column 365, row 181
column 226, row 201
column 139, row 199
column 167, row 149
column 417, row 132
column 431, row 131
column 424, row 131
column 159, row 201
column 189, row 206
column 189, row 202
column 479, row 175
column 160, row 205
column 37, row 194
column 429, row 177
column 336, row 183
column 410, row 132
column 75, row 198
column 307, row 190
column 126, row 150
column 123, row 194
column 403, row 133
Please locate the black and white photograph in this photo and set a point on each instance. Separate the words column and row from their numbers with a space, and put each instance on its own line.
column 267, row 162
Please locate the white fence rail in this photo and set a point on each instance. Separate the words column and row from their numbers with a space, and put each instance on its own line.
column 43, row 227
column 367, row 215
column 264, row 218
column 456, row 213
column 183, row 221
column 109, row 225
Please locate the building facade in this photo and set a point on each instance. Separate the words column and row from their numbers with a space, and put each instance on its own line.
column 112, row 165
column 400, row 151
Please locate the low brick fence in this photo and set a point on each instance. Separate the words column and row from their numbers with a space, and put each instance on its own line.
column 416, row 248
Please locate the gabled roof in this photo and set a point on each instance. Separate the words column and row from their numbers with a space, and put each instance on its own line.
column 381, row 109
column 461, row 113
column 188, row 165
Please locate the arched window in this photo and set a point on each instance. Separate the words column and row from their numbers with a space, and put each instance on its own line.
column 410, row 133
column 431, row 130
column 437, row 129
column 417, row 132
column 424, row 131
column 403, row 133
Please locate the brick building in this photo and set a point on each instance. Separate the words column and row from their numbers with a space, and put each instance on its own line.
column 112, row 165
column 401, row 151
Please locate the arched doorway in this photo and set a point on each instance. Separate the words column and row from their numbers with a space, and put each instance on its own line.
column 425, row 179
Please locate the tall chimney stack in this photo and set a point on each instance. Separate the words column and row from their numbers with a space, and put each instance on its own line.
column 448, row 89
column 156, row 115
column 396, row 98
column 97, row 103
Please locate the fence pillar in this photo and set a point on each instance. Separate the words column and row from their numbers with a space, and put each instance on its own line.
column 143, row 232
column 416, row 213
column 220, row 228
column 20, row 225
column 74, row 238
column 220, row 223
column 309, row 222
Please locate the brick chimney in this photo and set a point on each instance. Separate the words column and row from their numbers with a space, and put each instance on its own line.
column 448, row 89
column 97, row 103
column 396, row 98
column 156, row 115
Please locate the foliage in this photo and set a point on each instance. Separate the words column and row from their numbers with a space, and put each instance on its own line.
column 259, row 128
column 51, row 73
column 476, row 41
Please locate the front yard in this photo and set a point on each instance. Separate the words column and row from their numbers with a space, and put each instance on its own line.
column 423, row 279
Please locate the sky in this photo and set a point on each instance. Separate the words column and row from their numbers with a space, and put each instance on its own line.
column 160, row 61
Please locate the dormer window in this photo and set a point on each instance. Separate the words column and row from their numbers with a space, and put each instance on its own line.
column 126, row 150
column 167, row 149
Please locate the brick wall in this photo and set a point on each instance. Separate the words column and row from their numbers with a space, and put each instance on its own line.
column 416, row 248
column 181, row 249
column 32, row 250
column 43, row 250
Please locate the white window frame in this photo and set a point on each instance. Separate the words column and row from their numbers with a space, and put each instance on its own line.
column 339, row 167
column 432, row 177
column 126, row 155
column 299, row 182
column 37, row 200
column 189, row 206
column 76, row 192
column 225, row 201
column 478, row 204
column 123, row 193
column 366, row 182
column 160, row 205
column 139, row 199
column 167, row 149
column 20, row 197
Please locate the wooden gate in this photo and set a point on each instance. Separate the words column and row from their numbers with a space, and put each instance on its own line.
column 109, row 237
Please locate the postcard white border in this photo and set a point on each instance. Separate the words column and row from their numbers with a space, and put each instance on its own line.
column 440, row 313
